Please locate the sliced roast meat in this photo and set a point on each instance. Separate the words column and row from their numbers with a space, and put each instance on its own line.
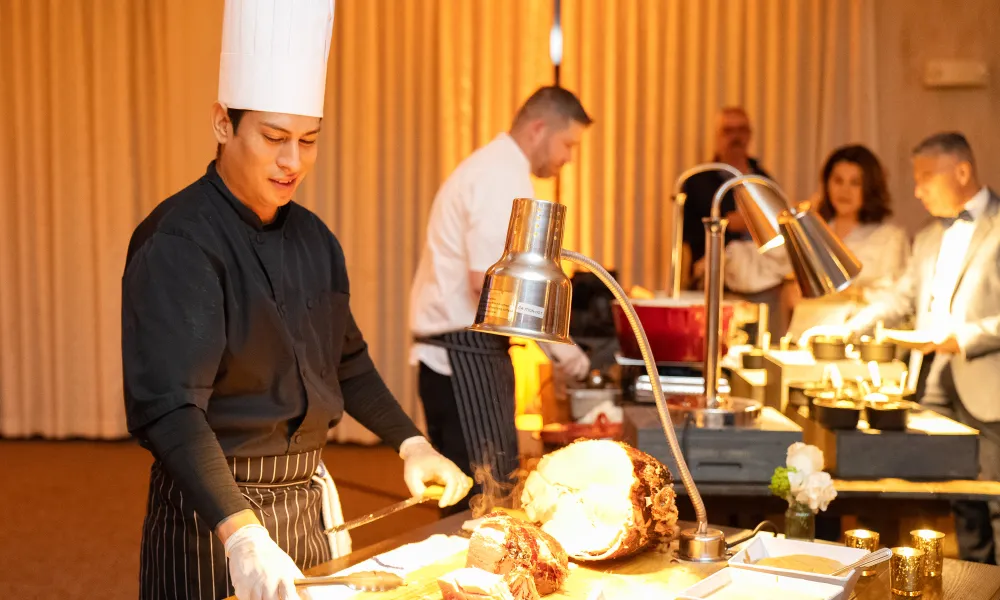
column 510, row 547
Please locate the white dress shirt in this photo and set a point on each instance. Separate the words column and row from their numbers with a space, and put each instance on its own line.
column 954, row 246
column 466, row 233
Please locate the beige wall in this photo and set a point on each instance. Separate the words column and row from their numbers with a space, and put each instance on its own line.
column 909, row 33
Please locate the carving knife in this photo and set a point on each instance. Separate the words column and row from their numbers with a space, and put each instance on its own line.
column 433, row 492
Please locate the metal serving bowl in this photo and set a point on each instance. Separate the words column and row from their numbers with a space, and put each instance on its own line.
column 837, row 413
column 880, row 352
column 829, row 347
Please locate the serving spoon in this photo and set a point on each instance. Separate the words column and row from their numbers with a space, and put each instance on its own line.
column 869, row 560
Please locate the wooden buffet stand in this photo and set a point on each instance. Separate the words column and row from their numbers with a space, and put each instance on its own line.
column 960, row 581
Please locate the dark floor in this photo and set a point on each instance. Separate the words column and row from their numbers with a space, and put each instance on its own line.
column 71, row 513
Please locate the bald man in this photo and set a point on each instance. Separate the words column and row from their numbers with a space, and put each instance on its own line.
column 732, row 143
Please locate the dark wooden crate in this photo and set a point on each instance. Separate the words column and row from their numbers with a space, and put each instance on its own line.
column 933, row 448
column 720, row 455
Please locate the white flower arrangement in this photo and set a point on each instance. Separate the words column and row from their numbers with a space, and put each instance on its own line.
column 802, row 479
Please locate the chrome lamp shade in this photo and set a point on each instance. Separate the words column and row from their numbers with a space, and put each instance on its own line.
column 761, row 210
column 822, row 264
column 526, row 293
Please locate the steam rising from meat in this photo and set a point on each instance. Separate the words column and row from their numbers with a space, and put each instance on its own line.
column 496, row 494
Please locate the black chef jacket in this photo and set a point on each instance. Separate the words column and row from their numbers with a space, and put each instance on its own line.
column 700, row 190
column 249, row 322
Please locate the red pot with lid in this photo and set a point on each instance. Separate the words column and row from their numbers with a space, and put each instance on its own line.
column 675, row 327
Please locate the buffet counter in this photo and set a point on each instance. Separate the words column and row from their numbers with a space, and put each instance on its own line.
column 960, row 580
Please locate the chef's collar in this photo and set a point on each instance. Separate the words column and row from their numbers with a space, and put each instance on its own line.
column 507, row 138
column 249, row 217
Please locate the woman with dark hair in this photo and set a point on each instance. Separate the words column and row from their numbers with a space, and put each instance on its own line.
column 855, row 203
column 854, row 200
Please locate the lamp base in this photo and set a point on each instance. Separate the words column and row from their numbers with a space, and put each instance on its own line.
column 730, row 411
column 702, row 546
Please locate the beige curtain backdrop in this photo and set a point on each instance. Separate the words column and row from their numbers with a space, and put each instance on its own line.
column 106, row 106
column 654, row 74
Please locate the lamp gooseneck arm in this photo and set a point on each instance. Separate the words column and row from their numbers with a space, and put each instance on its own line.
column 743, row 180
column 677, row 224
column 654, row 379
column 715, row 230
column 704, row 168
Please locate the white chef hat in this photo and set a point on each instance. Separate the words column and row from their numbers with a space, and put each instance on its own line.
column 274, row 55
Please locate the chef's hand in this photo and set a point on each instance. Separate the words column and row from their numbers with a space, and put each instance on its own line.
column 422, row 464
column 568, row 359
column 259, row 568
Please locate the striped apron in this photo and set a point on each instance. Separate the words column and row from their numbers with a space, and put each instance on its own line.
column 482, row 378
column 292, row 495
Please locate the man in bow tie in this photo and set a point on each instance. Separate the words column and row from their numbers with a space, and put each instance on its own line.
column 952, row 288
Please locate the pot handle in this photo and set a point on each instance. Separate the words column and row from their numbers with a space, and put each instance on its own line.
column 602, row 424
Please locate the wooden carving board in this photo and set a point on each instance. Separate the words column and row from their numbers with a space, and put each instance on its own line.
column 648, row 575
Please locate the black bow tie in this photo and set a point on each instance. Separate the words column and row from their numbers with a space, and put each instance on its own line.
column 962, row 216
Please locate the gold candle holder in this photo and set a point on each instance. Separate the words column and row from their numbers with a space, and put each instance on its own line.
column 931, row 543
column 865, row 540
column 906, row 571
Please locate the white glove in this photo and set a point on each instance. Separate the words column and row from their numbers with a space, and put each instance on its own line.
column 423, row 464
column 832, row 330
column 259, row 568
column 569, row 359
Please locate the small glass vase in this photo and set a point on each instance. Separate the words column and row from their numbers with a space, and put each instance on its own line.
column 800, row 522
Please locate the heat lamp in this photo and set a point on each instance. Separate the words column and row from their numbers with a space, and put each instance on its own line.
column 527, row 294
column 822, row 264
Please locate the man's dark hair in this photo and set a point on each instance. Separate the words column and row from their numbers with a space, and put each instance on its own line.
column 552, row 101
column 235, row 116
column 951, row 143
column 874, row 190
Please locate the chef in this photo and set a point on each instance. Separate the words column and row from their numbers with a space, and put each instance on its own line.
column 952, row 287
column 239, row 348
column 466, row 379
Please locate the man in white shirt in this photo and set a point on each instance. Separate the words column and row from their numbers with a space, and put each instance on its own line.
column 952, row 286
column 466, row 379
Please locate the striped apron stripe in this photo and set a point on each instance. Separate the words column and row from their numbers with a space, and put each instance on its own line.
column 180, row 557
column 483, row 382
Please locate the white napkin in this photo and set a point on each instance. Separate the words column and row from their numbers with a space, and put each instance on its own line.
column 615, row 414
column 596, row 593
column 402, row 561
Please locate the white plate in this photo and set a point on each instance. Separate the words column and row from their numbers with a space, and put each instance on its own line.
column 745, row 580
column 765, row 546
column 908, row 338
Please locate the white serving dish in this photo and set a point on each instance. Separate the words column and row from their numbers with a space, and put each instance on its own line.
column 746, row 579
column 765, row 546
